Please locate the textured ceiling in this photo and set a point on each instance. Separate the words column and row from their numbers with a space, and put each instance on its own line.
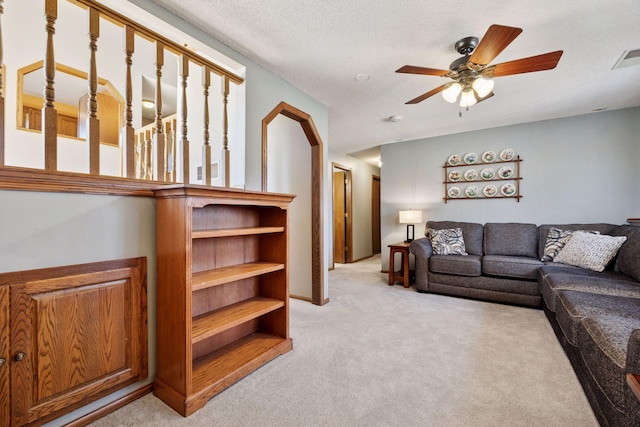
column 320, row 45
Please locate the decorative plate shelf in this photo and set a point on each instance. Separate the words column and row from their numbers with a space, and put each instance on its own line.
column 473, row 180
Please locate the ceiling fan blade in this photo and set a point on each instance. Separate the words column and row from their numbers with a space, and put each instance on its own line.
column 493, row 42
column 427, row 94
column 411, row 69
column 546, row 61
column 485, row 98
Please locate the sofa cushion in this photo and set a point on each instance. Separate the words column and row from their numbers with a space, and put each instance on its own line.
column 588, row 250
column 543, row 231
column 629, row 256
column 603, row 340
column 511, row 266
column 511, row 239
column 456, row 264
column 448, row 241
column 476, row 286
column 573, row 306
column 471, row 232
column 606, row 283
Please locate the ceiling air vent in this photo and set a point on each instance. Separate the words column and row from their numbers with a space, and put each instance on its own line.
column 629, row 58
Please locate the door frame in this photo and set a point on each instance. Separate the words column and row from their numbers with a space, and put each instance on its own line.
column 375, row 178
column 317, row 230
column 348, row 210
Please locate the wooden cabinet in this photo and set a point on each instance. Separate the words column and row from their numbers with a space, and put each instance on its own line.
column 67, row 125
column 5, row 404
column 222, row 289
column 70, row 335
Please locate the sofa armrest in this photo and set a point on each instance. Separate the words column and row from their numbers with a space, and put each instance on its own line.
column 633, row 353
column 422, row 250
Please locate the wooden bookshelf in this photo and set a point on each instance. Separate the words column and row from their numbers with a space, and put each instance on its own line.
column 222, row 289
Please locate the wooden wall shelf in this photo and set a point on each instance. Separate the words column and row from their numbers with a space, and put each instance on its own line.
column 462, row 184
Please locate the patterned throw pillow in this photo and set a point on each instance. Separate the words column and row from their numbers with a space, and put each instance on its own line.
column 588, row 250
column 447, row 242
column 556, row 239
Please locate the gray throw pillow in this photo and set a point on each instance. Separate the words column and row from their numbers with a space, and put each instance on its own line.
column 447, row 241
column 591, row 251
column 556, row 239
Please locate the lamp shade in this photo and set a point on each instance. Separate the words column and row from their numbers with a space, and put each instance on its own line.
column 468, row 98
column 483, row 86
column 410, row 217
column 451, row 93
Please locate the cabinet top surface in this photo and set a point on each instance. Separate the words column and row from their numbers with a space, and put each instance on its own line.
column 194, row 190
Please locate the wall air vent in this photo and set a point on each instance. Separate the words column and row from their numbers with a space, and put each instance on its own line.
column 629, row 58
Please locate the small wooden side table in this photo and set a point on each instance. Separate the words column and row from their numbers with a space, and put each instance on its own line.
column 404, row 274
column 634, row 383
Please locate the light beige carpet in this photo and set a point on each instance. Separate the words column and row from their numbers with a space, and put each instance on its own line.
column 378, row 355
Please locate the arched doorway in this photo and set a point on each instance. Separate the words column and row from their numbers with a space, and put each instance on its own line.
column 310, row 131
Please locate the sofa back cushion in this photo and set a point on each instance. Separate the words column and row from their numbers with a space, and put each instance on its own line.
column 471, row 232
column 628, row 262
column 510, row 238
column 543, row 231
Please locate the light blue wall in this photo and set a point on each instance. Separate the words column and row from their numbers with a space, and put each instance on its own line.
column 576, row 169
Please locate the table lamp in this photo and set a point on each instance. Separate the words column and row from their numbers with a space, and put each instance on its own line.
column 410, row 218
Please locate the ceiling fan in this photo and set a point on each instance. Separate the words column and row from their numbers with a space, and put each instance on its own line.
column 472, row 75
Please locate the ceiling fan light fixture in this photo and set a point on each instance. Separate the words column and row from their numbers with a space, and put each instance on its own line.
column 483, row 86
column 468, row 98
column 451, row 93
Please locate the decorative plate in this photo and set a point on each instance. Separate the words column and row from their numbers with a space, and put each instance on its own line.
column 507, row 154
column 453, row 192
column 454, row 159
column 490, row 190
column 455, row 176
column 470, row 158
column 471, row 175
column 489, row 156
column 471, row 191
column 508, row 190
column 487, row 173
column 505, row 172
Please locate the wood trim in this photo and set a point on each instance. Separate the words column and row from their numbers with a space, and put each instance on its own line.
column 14, row 178
column 317, row 174
column 363, row 258
column 300, row 297
column 348, row 208
column 111, row 407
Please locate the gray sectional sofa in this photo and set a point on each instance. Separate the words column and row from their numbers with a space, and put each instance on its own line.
column 595, row 315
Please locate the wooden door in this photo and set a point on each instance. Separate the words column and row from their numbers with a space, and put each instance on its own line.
column 339, row 209
column 5, row 406
column 375, row 214
column 77, row 334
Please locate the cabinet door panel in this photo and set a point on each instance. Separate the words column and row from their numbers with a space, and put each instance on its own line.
column 83, row 336
column 80, row 336
column 4, row 354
